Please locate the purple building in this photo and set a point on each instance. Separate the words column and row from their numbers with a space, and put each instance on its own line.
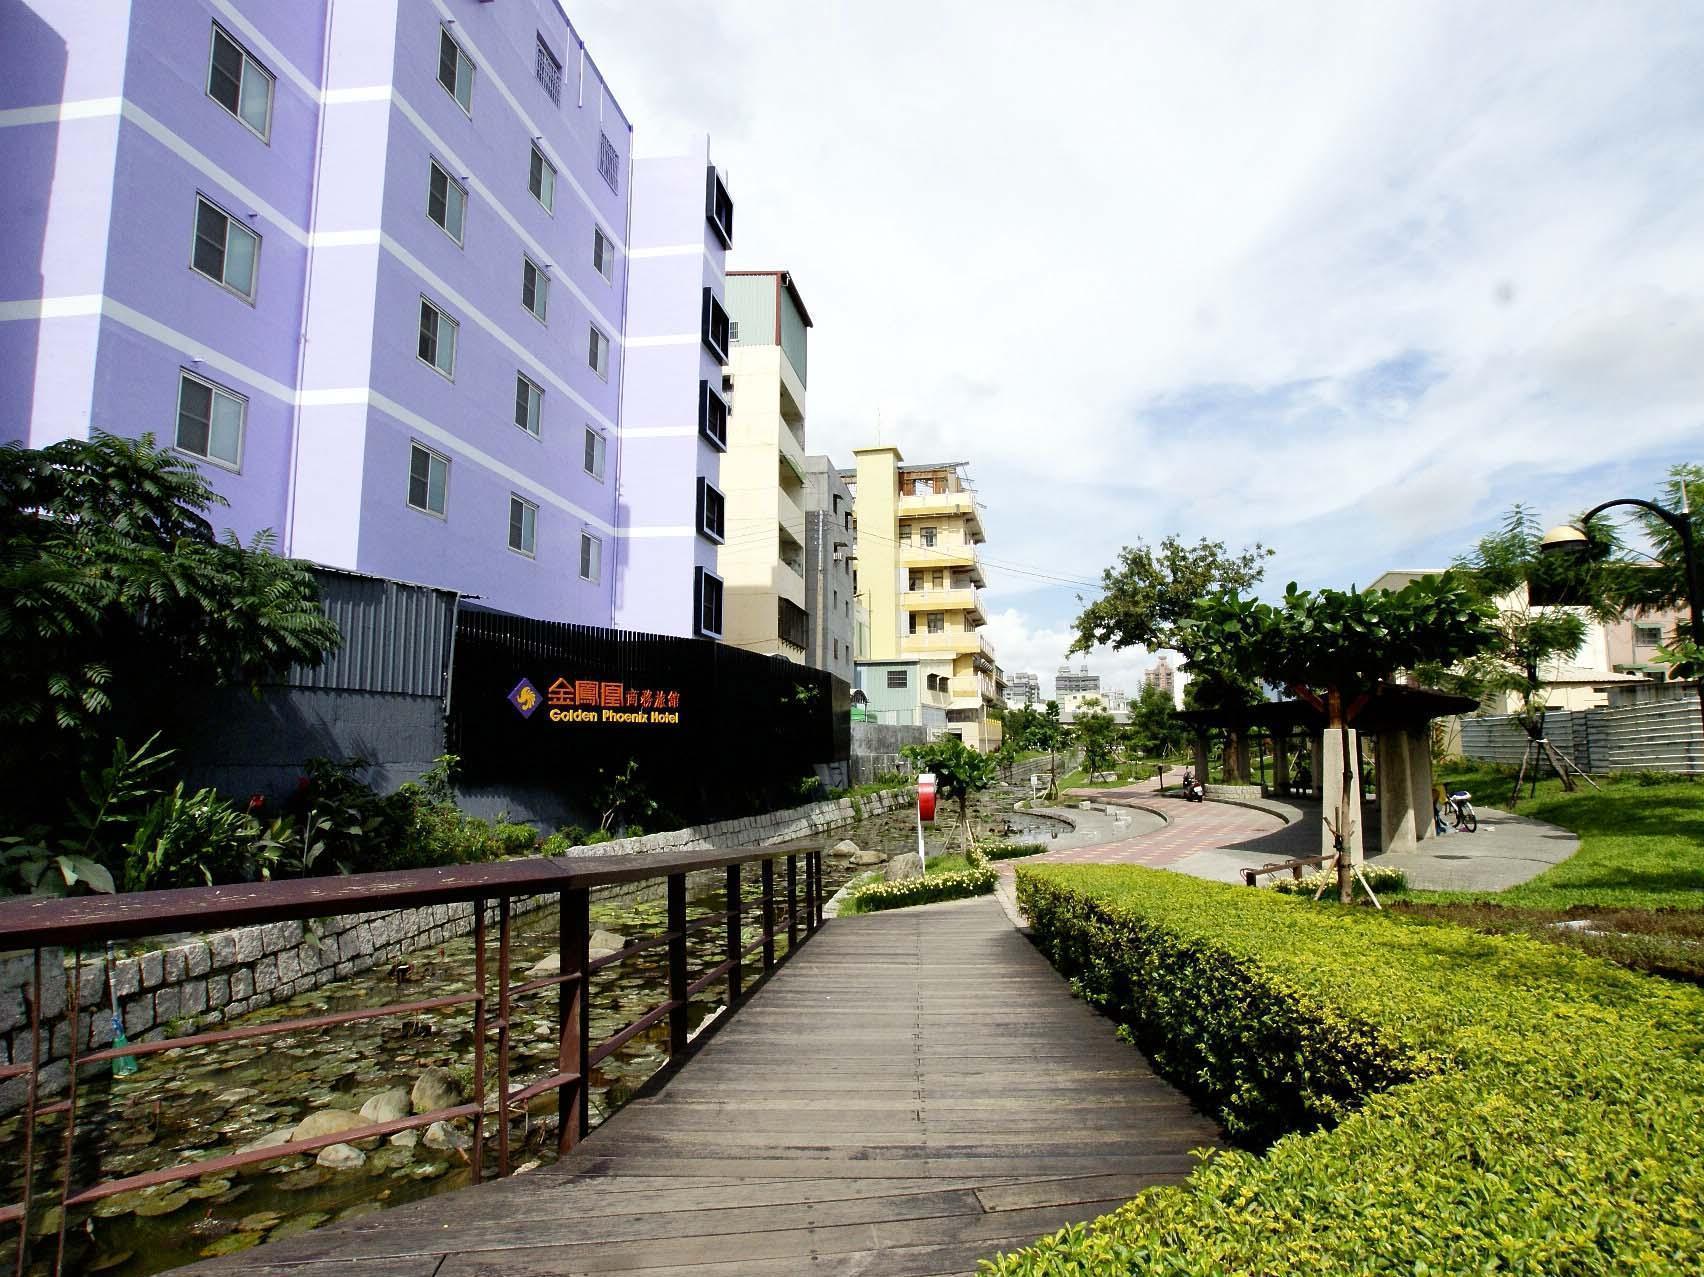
column 674, row 408
column 367, row 262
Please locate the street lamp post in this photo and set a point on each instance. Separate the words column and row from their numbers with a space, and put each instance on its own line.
column 1572, row 538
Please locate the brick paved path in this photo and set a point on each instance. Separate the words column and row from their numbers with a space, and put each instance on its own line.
column 1190, row 827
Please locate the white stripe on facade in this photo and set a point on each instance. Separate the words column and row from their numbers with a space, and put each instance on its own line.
column 659, row 432
column 656, row 531
column 86, row 305
column 540, row 252
column 58, row 112
column 670, row 339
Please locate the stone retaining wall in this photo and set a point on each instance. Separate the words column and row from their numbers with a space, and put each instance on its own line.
column 203, row 980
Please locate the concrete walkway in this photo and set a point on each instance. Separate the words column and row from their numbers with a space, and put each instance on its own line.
column 1219, row 840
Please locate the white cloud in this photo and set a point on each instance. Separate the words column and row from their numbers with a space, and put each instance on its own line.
column 1347, row 279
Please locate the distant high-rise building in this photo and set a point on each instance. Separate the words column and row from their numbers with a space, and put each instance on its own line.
column 828, row 568
column 1162, row 676
column 1065, row 683
column 1022, row 689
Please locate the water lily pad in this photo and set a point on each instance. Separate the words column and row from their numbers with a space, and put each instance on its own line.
column 106, row 1263
column 300, row 1224
column 205, row 1188
column 163, row 1204
column 231, row 1244
column 260, row 1221
column 308, row 1177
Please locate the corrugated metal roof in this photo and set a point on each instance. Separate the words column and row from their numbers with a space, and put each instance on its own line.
column 397, row 638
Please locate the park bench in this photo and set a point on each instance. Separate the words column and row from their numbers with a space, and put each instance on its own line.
column 1252, row 876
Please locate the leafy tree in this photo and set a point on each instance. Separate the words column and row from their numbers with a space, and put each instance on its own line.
column 1334, row 648
column 960, row 771
column 1146, row 600
column 1096, row 733
column 1661, row 585
column 116, row 598
column 1541, row 603
column 1155, row 728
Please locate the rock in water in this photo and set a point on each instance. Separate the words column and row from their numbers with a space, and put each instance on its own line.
column 326, row 1122
column 405, row 1139
column 869, row 857
column 845, row 847
column 548, row 965
column 341, row 1157
column 387, row 1106
column 435, row 1089
column 903, row 867
column 441, row 1135
column 607, row 942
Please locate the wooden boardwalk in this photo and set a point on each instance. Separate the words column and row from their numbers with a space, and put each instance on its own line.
column 915, row 1090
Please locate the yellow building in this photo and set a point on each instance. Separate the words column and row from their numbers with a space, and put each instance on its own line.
column 920, row 580
column 762, row 562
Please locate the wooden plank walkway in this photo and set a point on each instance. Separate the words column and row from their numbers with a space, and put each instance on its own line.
column 915, row 1090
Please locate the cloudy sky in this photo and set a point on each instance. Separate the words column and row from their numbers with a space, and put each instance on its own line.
column 1345, row 279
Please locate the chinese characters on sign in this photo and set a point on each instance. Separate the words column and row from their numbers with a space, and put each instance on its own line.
column 586, row 700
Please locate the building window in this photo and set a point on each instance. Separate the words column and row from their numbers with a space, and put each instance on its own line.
column 718, row 207
column 712, row 512
column 437, row 338
column 594, row 453
column 905, row 534
column 835, row 643
column 226, row 251
column 707, row 603
column 549, row 71
column 597, row 354
column 897, row 678
column 210, row 421
column 609, row 163
column 446, row 202
column 733, row 332
column 529, row 404
column 455, row 71
column 937, row 622
column 1647, row 636
column 792, row 624
column 712, row 416
column 535, row 289
column 603, row 253
column 428, row 480
column 715, row 326
column 541, row 180
column 523, row 526
column 240, row 84
column 591, row 557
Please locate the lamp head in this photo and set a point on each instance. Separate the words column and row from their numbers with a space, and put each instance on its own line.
column 1565, row 538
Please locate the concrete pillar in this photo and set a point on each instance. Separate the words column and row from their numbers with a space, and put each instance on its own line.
column 1280, row 761
column 1316, row 760
column 1420, row 781
column 1399, row 820
column 1330, row 781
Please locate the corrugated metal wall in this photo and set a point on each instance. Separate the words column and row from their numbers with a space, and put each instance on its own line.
column 1659, row 736
column 793, row 336
column 396, row 638
column 750, row 300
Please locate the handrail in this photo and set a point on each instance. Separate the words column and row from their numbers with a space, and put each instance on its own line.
column 71, row 923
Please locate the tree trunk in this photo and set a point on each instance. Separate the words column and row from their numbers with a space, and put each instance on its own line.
column 1345, row 871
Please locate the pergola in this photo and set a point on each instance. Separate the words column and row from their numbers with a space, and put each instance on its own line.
column 1396, row 716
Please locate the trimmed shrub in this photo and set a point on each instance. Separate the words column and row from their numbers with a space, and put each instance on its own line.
column 1429, row 1099
column 1014, row 850
column 514, row 838
column 921, row 891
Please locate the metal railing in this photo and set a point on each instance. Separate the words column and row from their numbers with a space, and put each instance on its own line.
column 45, row 924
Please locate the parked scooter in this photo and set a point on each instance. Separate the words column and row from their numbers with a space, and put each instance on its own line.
column 1193, row 790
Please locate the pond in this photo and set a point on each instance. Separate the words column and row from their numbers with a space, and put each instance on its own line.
column 209, row 1101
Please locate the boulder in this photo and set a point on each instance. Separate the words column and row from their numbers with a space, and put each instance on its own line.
column 387, row 1106
column 272, row 1139
column 867, row 857
column 405, row 1139
column 845, row 847
column 326, row 1122
column 434, row 1089
column 903, row 867
column 607, row 942
column 443, row 1136
column 549, row 965
column 341, row 1157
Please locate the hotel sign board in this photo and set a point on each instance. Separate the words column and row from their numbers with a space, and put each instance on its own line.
column 590, row 702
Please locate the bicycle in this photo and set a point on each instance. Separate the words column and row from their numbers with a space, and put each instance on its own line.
column 1459, row 812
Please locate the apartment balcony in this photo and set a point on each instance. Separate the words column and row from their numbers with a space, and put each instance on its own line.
column 790, row 513
column 966, row 600
column 791, row 447
column 941, row 555
column 946, row 643
column 944, row 505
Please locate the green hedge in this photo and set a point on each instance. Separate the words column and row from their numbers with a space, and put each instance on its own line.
column 921, row 891
column 1441, row 1101
column 1014, row 850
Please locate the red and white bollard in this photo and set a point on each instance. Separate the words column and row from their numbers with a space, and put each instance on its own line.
column 925, row 810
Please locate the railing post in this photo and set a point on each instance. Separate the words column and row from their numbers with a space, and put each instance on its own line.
column 480, row 994
column 74, row 1019
column 573, row 934
column 792, row 904
column 768, row 915
column 736, row 936
column 677, row 967
column 813, row 890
